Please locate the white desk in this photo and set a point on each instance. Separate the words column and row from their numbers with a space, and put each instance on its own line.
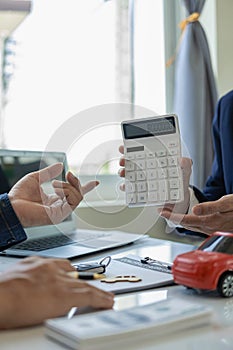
column 219, row 336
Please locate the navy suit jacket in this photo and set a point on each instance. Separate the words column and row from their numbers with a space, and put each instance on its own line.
column 220, row 182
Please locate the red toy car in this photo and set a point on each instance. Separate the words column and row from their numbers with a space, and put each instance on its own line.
column 208, row 267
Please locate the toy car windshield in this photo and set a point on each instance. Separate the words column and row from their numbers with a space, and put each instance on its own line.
column 220, row 244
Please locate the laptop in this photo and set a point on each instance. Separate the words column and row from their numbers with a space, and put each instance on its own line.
column 63, row 240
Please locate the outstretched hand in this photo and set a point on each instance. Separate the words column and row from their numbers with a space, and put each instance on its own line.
column 208, row 217
column 34, row 207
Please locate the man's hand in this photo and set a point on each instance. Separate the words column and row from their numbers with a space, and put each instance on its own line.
column 186, row 166
column 207, row 217
column 36, row 289
column 34, row 207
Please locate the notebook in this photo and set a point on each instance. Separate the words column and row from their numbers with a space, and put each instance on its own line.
column 62, row 240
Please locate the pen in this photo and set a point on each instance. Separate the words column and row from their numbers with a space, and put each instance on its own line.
column 86, row 275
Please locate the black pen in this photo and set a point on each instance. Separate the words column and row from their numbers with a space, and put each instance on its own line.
column 86, row 275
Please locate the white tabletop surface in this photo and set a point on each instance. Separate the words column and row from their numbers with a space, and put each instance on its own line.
column 217, row 336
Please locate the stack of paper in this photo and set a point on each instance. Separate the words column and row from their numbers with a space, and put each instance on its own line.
column 114, row 329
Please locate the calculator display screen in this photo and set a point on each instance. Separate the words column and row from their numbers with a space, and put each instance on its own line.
column 149, row 128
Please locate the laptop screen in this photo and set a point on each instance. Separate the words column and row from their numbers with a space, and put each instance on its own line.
column 14, row 164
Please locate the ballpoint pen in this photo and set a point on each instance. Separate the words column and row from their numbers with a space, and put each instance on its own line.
column 85, row 275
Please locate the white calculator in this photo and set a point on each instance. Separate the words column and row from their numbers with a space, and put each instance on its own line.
column 152, row 151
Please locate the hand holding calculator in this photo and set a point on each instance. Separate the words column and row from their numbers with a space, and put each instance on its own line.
column 152, row 151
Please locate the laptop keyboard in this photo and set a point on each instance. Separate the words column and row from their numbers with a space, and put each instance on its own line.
column 59, row 240
column 44, row 243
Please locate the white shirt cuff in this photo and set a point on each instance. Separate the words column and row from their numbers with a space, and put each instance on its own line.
column 193, row 201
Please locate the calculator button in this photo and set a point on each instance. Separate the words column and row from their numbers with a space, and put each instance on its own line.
column 172, row 161
column 131, row 198
column 129, row 165
column 173, row 172
column 150, row 155
column 161, row 153
column 151, row 174
column 140, row 155
column 174, row 195
column 140, row 175
column 173, row 151
column 162, row 173
column 130, row 176
column 152, row 196
column 140, row 164
column 152, row 186
column 162, row 162
column 163, row 190
column 141, row 186
column 174, row 183
column 151, row 164
column 142, row 197
column 163, row 196
column 130, row 186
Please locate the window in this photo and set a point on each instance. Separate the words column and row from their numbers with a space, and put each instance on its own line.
column 73, row 56
column 150, row 55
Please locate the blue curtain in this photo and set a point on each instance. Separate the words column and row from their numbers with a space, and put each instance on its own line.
column 195, row 93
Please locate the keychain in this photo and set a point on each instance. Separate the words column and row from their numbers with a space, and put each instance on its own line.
column 121, row 279
column 97, row 267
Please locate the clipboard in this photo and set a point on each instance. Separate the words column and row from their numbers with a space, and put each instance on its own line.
column 152, row 276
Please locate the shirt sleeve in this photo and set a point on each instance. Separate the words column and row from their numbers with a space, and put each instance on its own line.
column 11, row 230
column 196, row 197
column 193, row 201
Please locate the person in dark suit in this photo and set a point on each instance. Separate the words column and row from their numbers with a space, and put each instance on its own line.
column 212, row 208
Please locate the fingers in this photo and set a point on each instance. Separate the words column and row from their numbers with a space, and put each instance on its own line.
column 176, row 218
column 206, row 224
column 122, row 187
column 49, row 172
column 73, row 180
column 69, row 189
column 89, row 186
column 122, row 161
column 188, row 221
column 72, row 190
column 33, row 262
column 222, row 205
column 121, row 149
column 71, row 195
column 84, row 294
column 57, row 292
column 87, row 295
column 121, row 172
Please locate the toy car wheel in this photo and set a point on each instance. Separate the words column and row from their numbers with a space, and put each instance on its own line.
column 225, row 285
